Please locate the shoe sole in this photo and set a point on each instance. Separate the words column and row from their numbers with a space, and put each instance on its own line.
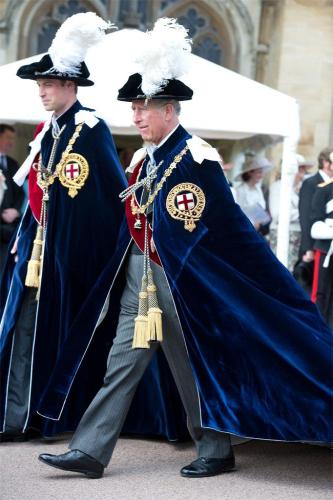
column 233, row 469
column 90, row 475
column 16, row 439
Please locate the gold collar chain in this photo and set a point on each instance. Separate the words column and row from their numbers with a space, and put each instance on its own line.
column 50, row 178
column 136, row 210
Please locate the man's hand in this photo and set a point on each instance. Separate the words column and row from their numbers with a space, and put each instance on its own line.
column 308, row 256
column 9, row 215
column 14, row 250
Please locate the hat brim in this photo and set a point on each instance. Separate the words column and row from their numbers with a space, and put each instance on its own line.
column 81, row 82
column 308, row 164
column 265, row 169
column 141, row 97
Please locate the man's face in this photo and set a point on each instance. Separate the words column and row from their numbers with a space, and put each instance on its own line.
column 55, row 94
column 328, row 167
column 151, row 120
column 7, row 139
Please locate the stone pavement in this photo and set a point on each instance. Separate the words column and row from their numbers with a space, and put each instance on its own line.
column 149, row 470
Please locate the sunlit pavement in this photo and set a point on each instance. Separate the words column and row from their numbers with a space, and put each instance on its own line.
column 149, row 470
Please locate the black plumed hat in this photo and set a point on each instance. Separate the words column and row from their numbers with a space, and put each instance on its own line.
column 45, row 69
column 174, row 89
column 65, row 57
column 163, row 56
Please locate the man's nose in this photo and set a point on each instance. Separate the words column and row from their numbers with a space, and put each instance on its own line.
column 136, row 117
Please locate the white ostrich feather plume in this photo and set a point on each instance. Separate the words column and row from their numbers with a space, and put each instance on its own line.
column 72, row 40
column 164, row 55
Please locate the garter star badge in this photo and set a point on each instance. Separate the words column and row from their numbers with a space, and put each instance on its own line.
column 186, row 202
column 73, row 173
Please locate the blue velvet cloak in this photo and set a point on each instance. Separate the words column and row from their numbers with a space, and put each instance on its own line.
column 260, row 352
column 81, row 236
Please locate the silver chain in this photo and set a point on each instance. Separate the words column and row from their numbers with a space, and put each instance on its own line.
column 145, row 183
column 56, row 138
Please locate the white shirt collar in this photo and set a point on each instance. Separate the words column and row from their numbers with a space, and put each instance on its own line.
column 151, row 148
column 55, row 125
column 324, row 175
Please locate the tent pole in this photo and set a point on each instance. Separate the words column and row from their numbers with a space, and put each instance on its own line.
column 288, row 171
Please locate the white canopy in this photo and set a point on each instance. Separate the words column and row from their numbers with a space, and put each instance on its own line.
column 225, row 104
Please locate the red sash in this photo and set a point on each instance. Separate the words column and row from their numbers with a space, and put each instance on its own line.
column 315, row 282
column 138, row 235
column 35, row 194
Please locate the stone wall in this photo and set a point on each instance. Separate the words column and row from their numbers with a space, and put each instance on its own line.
column 300, row 63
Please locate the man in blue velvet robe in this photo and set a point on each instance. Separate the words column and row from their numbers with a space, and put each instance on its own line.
column 250, row 353
column 82, row 215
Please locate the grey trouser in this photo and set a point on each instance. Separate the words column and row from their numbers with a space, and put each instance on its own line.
column 101, row 424
column 20, row 366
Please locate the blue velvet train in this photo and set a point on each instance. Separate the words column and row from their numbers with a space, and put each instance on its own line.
column 259, row 349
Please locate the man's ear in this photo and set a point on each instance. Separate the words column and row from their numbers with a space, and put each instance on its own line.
column 169, row 111
column 70, row 84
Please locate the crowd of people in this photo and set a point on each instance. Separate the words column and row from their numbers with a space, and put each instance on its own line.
column 102, row 272
column 309, row 248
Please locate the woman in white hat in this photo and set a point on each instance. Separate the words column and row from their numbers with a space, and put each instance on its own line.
column 249, row 193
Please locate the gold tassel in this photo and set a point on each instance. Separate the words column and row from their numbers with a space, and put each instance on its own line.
column 140, row 338
column 154, row 312
column 32, row 277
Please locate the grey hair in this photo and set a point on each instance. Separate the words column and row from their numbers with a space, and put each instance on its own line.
column 163, row 102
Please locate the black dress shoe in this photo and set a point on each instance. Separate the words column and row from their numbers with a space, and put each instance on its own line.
column 16, row 436
column 74, row 461
column 204, row 467
column 13, row 437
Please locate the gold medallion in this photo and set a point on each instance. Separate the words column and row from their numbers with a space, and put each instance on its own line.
column 186, row 202
column 73, row 173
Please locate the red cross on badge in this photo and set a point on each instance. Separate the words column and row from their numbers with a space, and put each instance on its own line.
column 72, row 170
column 185, row 201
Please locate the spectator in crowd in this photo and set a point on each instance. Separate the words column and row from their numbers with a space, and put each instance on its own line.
column 12, row 196
column 303, row 167
column 322, row 232
column 250, row 194
column 306, row 252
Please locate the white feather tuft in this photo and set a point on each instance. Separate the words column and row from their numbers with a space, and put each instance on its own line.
column 72, row 40
column 164, row 55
